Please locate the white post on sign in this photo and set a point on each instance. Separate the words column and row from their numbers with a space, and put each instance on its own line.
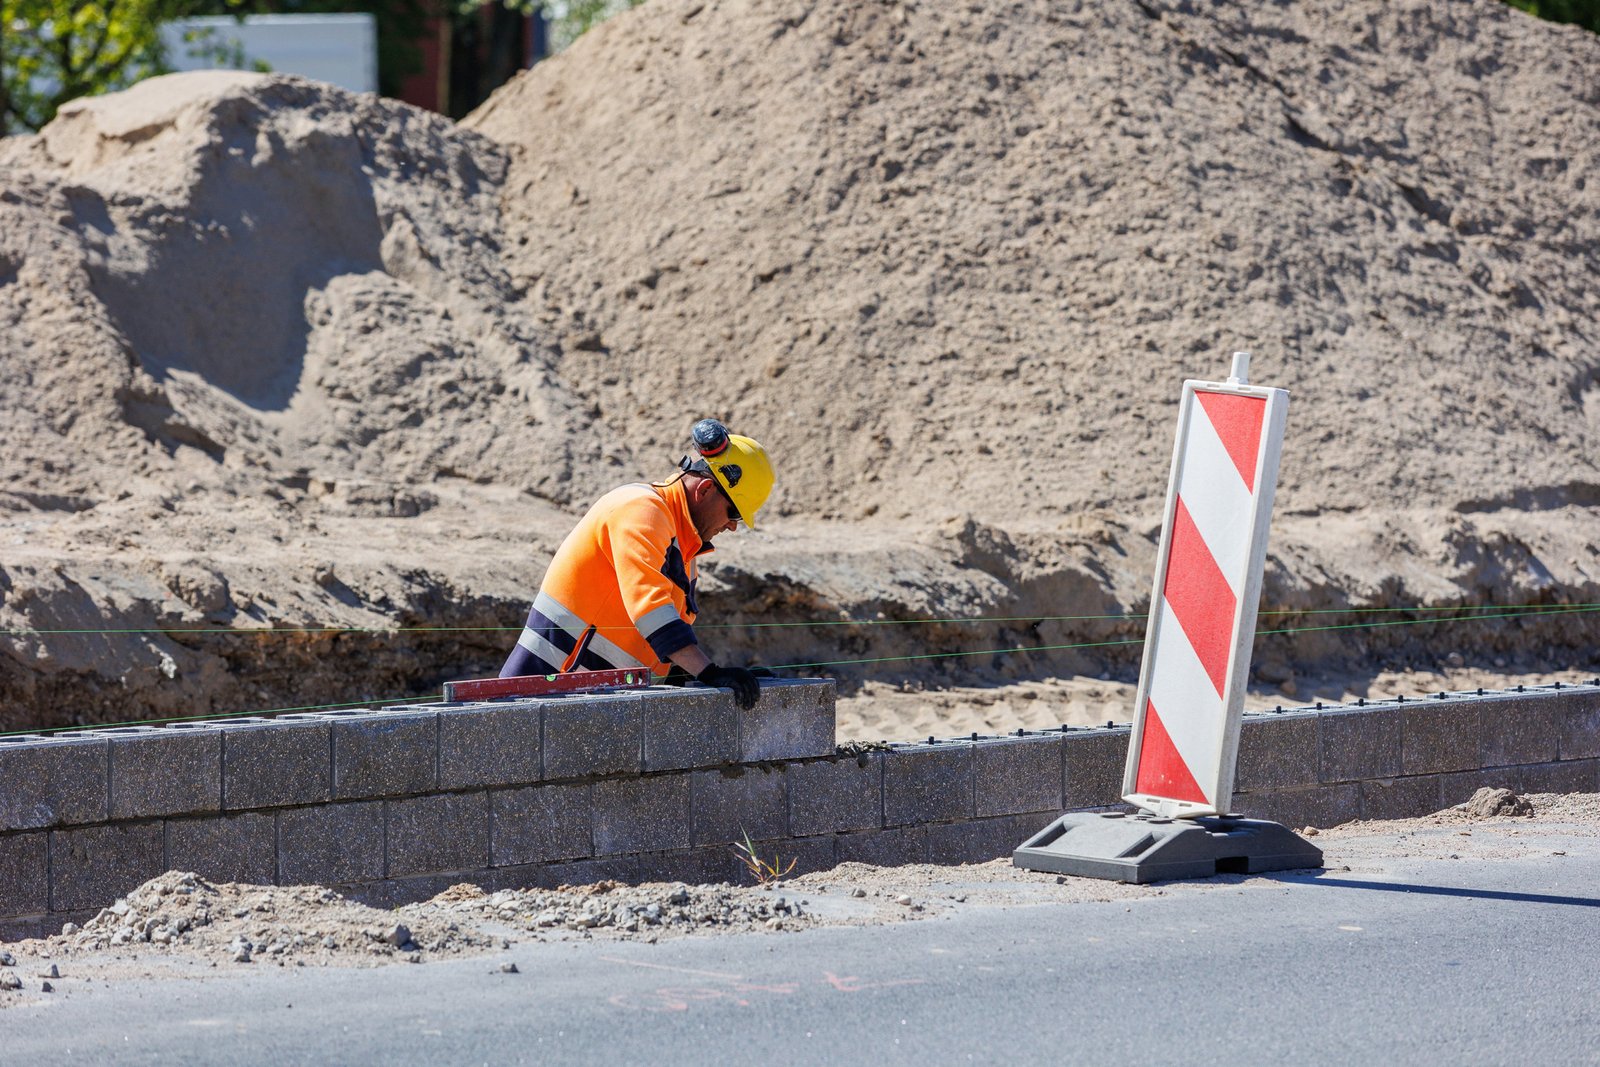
column 1203, row 605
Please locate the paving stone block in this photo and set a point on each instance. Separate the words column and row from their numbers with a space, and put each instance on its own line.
column 52, row 781
column 794, row 719
column 331, row 844
column 1568, row 776
column 1018, row 775
column 1359, row 744
column 883, row 848
column 981, row 840
column 1401, row 798
column 169, row 770
column 927, row 783
column 696, row 866
column 728, row 804
column 449, row 832
column 1438, row 736
column 91, row 867
column 1277, row 751
column 22, row 928
column 494, row 745
column 540, row 824
column 236, row 848
column 1517, row 729
column 1578, row 729
column 24, row 874
column 1093, row 761
column 384, row 755
column 829, row 795
column 641, row 814
column 589, row 735
column 688, row 728
column 276, row 764
column 580, row 872
column 1321, row 806
column 1458, row 788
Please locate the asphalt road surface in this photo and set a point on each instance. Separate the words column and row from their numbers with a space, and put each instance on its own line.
column 1431, row 961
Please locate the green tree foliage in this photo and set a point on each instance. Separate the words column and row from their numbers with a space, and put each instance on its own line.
column 1585, row 13
column 52, row 51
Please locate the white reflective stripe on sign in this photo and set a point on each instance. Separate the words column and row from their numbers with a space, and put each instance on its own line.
column 1186, row 699
column 1217, row 500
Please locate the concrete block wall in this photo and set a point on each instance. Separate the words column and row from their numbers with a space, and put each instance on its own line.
column 395, row 804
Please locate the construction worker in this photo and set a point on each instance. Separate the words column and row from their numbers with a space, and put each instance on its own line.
column 620, row 591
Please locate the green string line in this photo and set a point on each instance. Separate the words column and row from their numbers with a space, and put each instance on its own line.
column 1564, row 610
column 969, row 620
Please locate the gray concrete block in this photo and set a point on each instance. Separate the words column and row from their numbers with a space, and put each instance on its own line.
column 449, row 832
column 688, row 728
column 712, row 865
column 236, row 848
column 398, row 892
column 1578, row 724
column 1359, row 744
column 927, row 783
column 1458, row 788
column 883, row 848
column 170, row 770
column 540, row 824
column 276, row 764
column 830, row 795
column 1024, row 774
column 494, row 745
column 331, row 844
column 1438, row 736
column 728, row 804
column 1320, row 806
column 52, row 781
column 641, row 814
column 24, row 874
column 384, row 755
column 1568, row 776
column 1401, row 798
column 794, row 719
column 1517, row 729
column 1093, row 762
column 91, row 867
column 982, row 840
column 1277, row 751
column 591, row 735
column 580, row 872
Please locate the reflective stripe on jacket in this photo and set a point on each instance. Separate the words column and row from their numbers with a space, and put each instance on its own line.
column 627, row 571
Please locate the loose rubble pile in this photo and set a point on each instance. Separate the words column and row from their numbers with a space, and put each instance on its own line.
column 646, row 911
column 299, row 925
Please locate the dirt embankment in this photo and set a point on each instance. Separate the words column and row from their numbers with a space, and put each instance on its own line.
column 276, row 355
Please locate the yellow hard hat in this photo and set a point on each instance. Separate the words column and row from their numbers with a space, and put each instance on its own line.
column 739, row 464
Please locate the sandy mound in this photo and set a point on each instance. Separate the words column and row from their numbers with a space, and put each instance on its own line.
column 276, row 354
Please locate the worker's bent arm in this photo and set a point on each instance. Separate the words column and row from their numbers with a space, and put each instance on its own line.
column 691, row 659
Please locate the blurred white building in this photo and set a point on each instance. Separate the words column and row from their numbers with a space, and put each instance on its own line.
column 341, row 49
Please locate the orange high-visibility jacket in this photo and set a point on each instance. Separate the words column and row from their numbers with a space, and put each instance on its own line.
column 620, row 591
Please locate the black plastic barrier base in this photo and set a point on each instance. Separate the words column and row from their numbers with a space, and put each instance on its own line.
column 1148, row 848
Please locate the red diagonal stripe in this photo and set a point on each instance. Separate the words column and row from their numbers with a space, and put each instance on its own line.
column 1237, row 420
column 1162, row 771
column 1199, row 596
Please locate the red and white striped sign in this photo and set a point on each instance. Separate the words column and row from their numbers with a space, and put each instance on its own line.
column 1207, row 587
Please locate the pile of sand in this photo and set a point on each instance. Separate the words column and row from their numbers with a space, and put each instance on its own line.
column 276, row 354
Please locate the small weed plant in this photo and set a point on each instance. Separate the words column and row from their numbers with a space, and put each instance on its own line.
column 764, row 871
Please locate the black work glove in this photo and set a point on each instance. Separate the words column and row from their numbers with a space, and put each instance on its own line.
column 745, row 688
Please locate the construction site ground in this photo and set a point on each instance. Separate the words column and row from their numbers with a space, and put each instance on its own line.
column 1462, row 934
